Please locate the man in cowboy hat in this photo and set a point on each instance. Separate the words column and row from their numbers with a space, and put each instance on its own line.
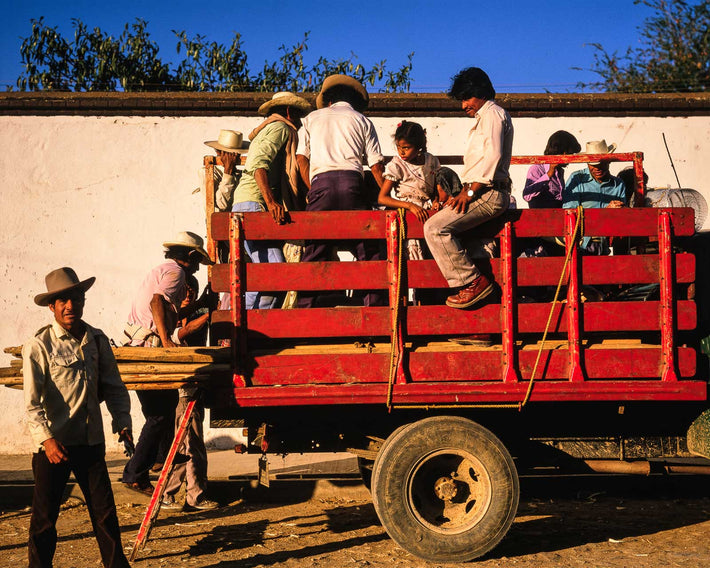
column 228, row 145
column 595, row 187
column 270, row 180
column 332, row 143
column 151, row 323
column 68, row 366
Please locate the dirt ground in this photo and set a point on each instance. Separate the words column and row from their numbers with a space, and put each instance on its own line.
column 600, row 522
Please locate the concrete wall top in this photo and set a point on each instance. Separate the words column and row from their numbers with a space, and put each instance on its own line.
column 409, row 104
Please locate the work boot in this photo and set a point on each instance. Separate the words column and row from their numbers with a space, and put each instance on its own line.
column 471, row 294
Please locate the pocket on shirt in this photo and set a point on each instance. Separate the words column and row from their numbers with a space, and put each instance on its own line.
column 66, row 360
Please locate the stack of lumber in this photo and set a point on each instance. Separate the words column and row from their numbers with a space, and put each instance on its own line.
column 146, row 368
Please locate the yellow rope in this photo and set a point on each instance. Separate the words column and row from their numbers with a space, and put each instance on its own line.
column 394, row 361
column 578, row 232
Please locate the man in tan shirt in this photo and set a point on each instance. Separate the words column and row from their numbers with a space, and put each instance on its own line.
column 68, row 368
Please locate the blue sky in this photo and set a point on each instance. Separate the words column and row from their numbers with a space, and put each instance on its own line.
column 524, row 46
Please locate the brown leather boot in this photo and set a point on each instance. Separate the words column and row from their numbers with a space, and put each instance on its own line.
column 471, row 294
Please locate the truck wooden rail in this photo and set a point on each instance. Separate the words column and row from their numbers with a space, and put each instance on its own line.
column 435, row 423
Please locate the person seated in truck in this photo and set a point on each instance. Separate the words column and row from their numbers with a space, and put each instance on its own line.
column 486, row 188
column 594, row 187
column 544, row 182
column 335, row 143
column 270, row 181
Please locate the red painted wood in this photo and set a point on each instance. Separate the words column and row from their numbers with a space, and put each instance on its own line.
column 339, row 225
column 441, row 320
column 471, row 365
column 471, row 393
column 544, row 271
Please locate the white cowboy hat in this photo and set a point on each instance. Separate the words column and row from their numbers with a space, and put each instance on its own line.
column 61, row 281
column 285, row 98
column 599, row 147
column 192, row 241
column 228, row 141
column 335, row 80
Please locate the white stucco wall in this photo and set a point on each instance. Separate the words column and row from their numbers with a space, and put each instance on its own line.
column 101, row 194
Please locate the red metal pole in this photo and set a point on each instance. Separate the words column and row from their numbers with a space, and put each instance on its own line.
column 236, row 285
column 665, row 252
column 508, row 307
column 640, row 188
column 573, row 304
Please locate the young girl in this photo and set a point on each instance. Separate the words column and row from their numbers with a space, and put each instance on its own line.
column 410, row 179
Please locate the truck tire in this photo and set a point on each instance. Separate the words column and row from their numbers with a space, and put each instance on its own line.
column 445, row 488
column 378, row 462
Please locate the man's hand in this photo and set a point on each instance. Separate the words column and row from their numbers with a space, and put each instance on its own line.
column 229, row 161
column 460, row 202
column 615, row 204
column 56, row 453
column 278, row 212
column 127, row 438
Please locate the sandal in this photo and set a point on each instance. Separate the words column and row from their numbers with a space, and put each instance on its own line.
column 139, row 488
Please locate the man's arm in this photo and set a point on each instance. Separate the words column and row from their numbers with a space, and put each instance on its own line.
column 114, row 391
column 377, row 172
column 158, row 307
column 34, row 374
column 278, row 212
column 304, row 169
column 228, row 183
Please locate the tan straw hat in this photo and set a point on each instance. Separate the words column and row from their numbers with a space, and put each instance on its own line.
column 285, row 98
column 228, row 141
column 192, row 241
column 599, row 147
column 61, row 281
column 335, row 80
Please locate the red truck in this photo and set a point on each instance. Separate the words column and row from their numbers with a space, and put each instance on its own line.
column 607, row 377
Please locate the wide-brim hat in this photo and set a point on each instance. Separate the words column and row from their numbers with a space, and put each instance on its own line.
column 228, row 141
column 61, row 281
column 186, row 239
column 599, row 147
column 335, row 80
column 285, row 98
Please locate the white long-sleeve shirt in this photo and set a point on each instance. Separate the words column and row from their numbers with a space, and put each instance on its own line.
column 489, row 146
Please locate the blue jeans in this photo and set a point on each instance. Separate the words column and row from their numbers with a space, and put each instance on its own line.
column 261, row 251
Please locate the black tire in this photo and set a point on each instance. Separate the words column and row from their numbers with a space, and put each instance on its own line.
column 378, row 462
column 445, row 489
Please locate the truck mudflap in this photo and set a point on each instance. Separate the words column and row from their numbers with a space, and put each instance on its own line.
column 699, row 435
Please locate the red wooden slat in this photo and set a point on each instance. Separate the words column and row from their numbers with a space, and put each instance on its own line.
column 544, row 271
column 441, row 320
column 339, row 225
column 469, row 393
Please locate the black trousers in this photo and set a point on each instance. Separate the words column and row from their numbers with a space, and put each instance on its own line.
column 88, row 465
column 339, row 191
column 159, row 410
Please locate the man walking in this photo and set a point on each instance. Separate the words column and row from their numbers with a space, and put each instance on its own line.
column 68, row 367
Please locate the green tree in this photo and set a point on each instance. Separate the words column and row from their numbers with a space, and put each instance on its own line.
column 674, row 55
column 96, row 61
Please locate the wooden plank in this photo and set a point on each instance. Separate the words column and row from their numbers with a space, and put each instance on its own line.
column 543, row 271
column 173, row 354
column 471, row 393
column 158, row 369
column 339, row 225
column 462, row 365
column 442, row 320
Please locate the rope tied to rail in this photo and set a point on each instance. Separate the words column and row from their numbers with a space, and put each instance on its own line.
column 395, row 353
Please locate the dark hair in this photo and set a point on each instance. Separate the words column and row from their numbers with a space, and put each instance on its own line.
column 192, row 283
column 179, row 253
column 412, row 132
column 472, row 82
column 283, row 111
column 346, row 94
column 562, row 142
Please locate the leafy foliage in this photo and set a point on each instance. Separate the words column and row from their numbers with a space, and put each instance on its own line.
column 674, row 55
column 95, row 61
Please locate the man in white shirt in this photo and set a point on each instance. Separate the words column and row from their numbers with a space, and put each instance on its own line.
column 335, row 142
column 486, row 188
column 68, row 367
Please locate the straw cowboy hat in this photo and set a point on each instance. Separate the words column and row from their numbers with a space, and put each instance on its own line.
column 335, row 80
column 61, row 281
column 192, row 241
column 599, row 147
column 228, row 141
column 285, row 98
